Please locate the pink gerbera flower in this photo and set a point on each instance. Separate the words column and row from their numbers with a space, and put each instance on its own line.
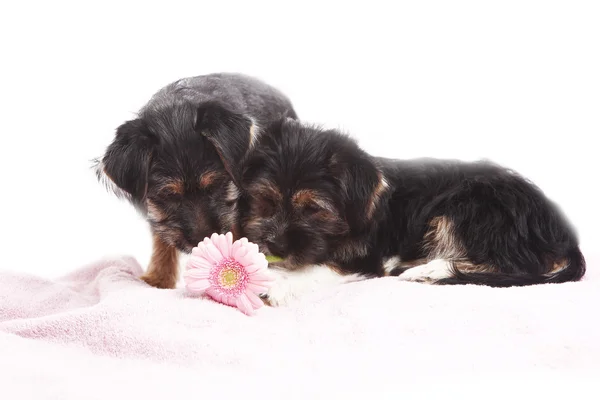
column 232, row 273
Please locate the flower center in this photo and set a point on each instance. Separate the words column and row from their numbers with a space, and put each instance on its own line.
column 229, row 277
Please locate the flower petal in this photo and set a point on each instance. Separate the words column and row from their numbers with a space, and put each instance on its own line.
column 255, row 300
column 225, row 244
column 199, row 250
column 244, row 304
column 234, row 247
column 252, row 248
column 202, row 251
column 257, row 288
column 256, row 265
column 198, row 262
column 215, row 295
column 215, row 238
column 240, row 243
column 261, row 277
column 229, row 300
column 239, row 253
column 212, row 253
column 221, row 244
column 197, row 273
column 246, row 259
column 198, row 285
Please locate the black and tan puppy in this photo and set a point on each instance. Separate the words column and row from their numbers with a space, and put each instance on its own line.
column 335, row 213
column 163, row 164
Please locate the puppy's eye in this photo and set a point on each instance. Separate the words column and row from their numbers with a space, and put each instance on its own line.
column 166, row 196
column 171, row 190
column 170, row 196
column 311, row 208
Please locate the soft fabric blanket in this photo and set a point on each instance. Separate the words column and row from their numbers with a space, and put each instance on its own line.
column 101, row 333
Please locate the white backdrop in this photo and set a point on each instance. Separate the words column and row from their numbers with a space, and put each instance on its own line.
column 514, row 81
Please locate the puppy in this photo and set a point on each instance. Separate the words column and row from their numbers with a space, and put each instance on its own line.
column 174, row 175
column 336, row 214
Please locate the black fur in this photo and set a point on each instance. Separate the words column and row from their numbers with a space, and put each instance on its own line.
column 165, row 165
column 498, row 219
column 127, row 159
column 501, row 219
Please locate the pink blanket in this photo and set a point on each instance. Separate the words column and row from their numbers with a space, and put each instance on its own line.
column 100, row 333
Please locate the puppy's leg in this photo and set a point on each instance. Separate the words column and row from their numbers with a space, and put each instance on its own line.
column 445, row 255
column 430, row 272
column 394, row 266
column 163, row 270
column 291, row 285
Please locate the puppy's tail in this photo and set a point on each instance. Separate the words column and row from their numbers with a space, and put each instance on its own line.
column 573, row 270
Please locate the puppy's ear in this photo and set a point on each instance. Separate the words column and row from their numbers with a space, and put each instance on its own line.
column 126, row 162
column 232, row 134
column 363, row 186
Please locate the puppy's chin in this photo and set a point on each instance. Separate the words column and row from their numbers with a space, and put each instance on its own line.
column 173, row 239
column 182, row 246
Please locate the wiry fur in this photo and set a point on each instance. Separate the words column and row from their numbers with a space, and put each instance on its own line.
column 474, row 223
column 166, row 166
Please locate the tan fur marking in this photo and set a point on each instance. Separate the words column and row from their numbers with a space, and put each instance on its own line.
column 254, row 132
column 163, row 270
column 304, row 197
column 377, row 193
column 233, row 193
column 440, row 242
column 264, row 187
column 154, row 212
column 559, row 266
column 228, row 221
column 468, row 267
column 208, row 178
column 174, row 186
column 335, row 268
column 228, row 216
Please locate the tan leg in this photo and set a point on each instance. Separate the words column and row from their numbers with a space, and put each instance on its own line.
column 163, row 270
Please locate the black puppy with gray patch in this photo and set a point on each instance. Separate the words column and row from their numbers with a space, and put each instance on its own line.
column 173, row 174
column 313, row 197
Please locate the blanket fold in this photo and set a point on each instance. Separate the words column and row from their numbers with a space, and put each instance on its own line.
column 101, row 323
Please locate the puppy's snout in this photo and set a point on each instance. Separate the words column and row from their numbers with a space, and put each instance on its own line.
column 277, row 247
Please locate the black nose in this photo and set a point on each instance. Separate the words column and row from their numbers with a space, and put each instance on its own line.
column 277, row 248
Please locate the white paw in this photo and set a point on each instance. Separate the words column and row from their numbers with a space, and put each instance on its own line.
column 281, row 292
column 432, row 271
column 292, row 285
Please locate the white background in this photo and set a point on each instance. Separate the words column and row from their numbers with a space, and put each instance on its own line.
column 517, row 82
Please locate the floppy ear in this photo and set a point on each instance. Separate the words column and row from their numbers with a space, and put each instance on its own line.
column 231, row 133
column 363, row 186
column 126, row 162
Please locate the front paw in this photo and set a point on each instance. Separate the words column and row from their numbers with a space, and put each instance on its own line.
column 160, row 282
column 279, row 294
column 428, row 273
